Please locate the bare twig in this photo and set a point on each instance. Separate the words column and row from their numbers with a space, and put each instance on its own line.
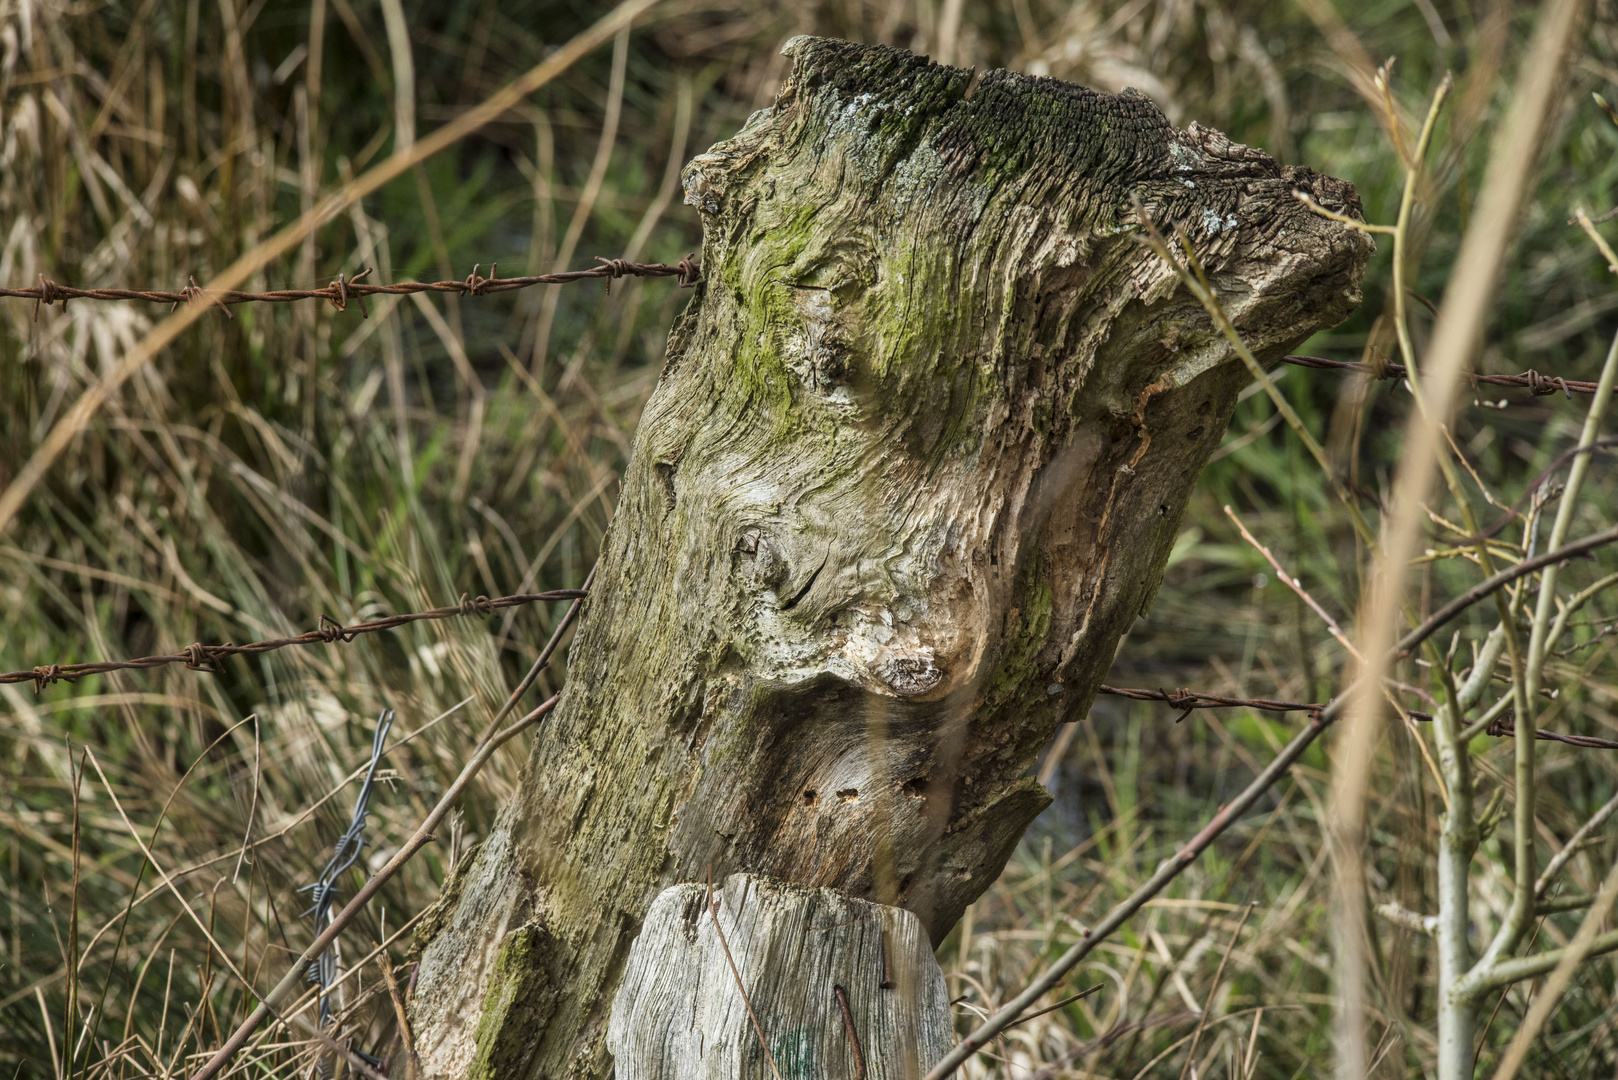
column 1167, row 872
column 713, row 911
column 1571, row 957
column 1202, row 1020
column 420, row 839
column 1296, row 586
column 1535, row 488
column 1560, row 859
column 303, row 815
column 1408, row 643
column 1064, row 1003
column 407, row 1042
column 1322, row 716
column 350, row 1058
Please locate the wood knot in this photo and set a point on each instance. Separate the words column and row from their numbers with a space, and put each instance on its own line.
column 909, row 676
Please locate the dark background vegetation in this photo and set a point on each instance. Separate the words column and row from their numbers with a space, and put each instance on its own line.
column 298, row 461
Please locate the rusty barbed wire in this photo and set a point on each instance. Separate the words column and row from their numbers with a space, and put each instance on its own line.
column 1533, row 381
column 1187, row 701
column 344, row 289
column 200, row 657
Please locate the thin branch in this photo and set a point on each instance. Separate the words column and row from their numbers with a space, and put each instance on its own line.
column 1296, row 586
column 1535, row 488
column 147, row 853
column 1322, row 716
column 1589, row 227
column 713, row 910
column 492, row 739
column 1167, row 872
column 420, row 839
column 1219, row 972
column 1515, row 970
column 1064, row 1003
column 1571, row 957
column 1505, row 577
column 1191, row 276
column 1570, row 848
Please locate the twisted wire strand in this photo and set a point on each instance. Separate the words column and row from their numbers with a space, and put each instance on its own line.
column 323, row 969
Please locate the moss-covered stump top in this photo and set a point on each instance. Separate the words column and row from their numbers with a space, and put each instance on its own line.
column 927, row 315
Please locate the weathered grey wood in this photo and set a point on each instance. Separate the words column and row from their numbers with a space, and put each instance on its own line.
column 916, row 460
column 679, row 1014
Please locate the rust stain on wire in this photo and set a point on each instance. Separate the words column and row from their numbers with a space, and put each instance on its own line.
column 199, row 657
column 344, row 289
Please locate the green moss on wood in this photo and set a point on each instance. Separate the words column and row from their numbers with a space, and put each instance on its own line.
column 1025, row 637
column 518, row 1001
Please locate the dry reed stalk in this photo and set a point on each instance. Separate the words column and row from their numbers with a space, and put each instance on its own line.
column 1455, row 340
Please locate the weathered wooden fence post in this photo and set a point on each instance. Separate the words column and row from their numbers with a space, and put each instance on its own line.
column 916, row 460
column 847, row 987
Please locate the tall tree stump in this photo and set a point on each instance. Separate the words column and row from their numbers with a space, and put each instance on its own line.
column 916, row 460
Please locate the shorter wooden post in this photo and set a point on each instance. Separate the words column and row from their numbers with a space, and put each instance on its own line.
column 682, row 1009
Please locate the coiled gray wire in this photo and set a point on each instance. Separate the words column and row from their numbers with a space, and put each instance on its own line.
column 323, row 971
